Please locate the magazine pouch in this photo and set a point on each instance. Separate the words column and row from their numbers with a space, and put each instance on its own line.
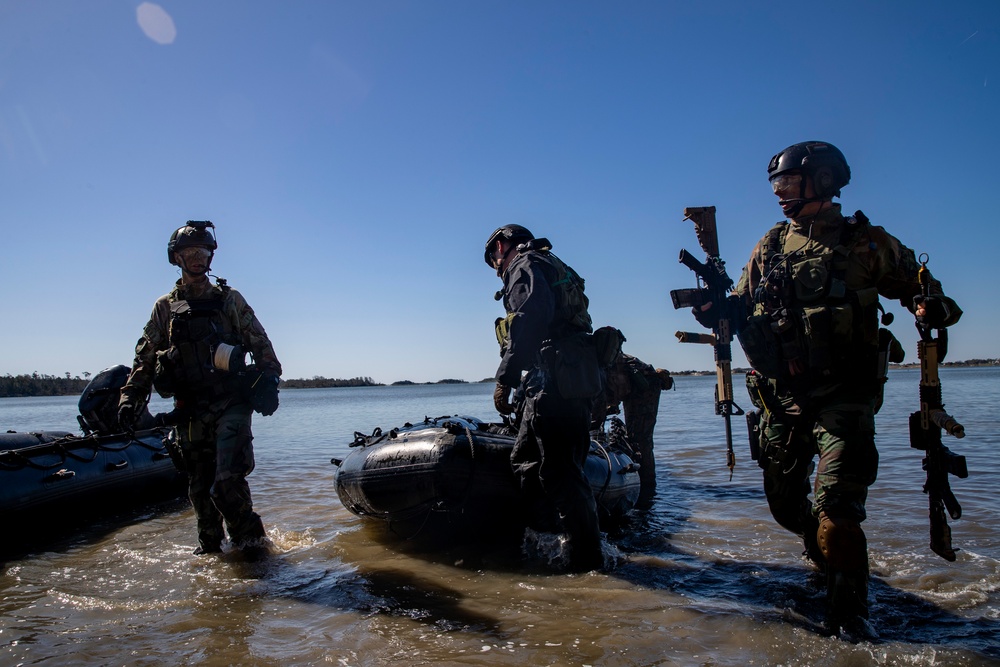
column 574, row 365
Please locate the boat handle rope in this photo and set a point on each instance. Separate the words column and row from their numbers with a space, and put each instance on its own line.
column 468, row 486
column 420, row 529
column 472, row 468
column 22, row 461
column 362, row 440
column 12, row 459
column 607, row 481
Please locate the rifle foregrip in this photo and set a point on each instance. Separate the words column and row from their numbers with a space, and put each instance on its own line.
column 947, row 423
column 690, row 337
column 951, row 503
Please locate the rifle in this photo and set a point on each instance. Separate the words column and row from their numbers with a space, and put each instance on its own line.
column 714, row 285
column 925, row 432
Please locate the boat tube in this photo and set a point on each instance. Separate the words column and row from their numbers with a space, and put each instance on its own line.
column 453, row 474
column 45, row 474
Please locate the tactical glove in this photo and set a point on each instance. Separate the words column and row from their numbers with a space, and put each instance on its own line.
column 501, row 399
column 666, row 380
column 731, row 309
column 939, row 311
column 265, row 395
column 127, row 416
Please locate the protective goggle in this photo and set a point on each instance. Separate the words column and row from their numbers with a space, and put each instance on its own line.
column 787, row 184
column 194, row 252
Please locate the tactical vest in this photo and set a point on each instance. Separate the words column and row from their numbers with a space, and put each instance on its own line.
column 571, row 314
column 804, row 310
column 196, row 330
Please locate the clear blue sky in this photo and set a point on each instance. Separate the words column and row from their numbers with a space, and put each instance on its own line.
column 356, row 155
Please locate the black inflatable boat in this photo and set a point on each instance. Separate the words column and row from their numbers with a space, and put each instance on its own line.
column 52, row 474
column 453, row 474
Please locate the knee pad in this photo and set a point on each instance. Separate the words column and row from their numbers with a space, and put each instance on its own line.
column 843, row 544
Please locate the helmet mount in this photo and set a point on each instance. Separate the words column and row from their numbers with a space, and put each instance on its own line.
column 195, row 233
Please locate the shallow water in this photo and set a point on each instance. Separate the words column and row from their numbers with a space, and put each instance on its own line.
column 704, row 577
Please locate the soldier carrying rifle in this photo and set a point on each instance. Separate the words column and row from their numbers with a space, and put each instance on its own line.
column 806, row 311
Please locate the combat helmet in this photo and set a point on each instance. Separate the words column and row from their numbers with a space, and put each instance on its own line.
column 822, row 162
column 514, row 233
column 200, row 233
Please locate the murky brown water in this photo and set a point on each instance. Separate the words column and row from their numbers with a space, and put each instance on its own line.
column 703, row 578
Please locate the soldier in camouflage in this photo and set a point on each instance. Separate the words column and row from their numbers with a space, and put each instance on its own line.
column 193, row 349
column 633, row 385
column 808, row 314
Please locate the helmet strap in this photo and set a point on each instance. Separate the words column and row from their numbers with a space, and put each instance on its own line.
column 802, row 200
column 184, row 269
column 503, row 258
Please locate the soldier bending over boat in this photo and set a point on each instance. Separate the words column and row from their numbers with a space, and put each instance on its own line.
column 547, row 335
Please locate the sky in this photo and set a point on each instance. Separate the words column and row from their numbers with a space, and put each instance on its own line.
column 355, row 157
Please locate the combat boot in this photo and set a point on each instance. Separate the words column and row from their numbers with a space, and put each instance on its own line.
column 210, row 538
column 248, row 533
column 810, row 539
column 845, row 548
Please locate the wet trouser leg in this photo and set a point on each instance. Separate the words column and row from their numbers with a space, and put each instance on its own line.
column 197, row 444
column 848, row 465
column 641, row 408
column 786, row 457
column 234, row 461
column 218, row 450
column 846, row 550
column 549, row 455
column 843, row 434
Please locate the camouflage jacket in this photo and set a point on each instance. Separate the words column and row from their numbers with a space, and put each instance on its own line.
column 155, row 336
column 821, row 281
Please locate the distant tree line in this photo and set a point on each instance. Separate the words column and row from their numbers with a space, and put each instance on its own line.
column 320, row 382
column 965, row 363
column 38, row 384
column 407, row 383
column 972, row 362
column 968, row 363
column 42, row 385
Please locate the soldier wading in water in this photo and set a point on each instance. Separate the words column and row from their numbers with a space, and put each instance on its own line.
column 633, row 385
column 547, row 334
column 193, row 349
column 807, row 313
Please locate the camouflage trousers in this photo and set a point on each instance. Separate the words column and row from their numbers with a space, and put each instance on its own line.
column 217, row 448
column 840, row 429
column 641, row 408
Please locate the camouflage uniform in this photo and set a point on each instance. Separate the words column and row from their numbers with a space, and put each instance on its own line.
column 636, row 386
column 214, row 433
column 813, row 296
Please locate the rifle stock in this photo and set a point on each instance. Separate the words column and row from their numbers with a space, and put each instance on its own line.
column 926, row 426
column 714, row 287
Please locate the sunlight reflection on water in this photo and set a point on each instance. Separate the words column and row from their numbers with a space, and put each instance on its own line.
column 705, row 576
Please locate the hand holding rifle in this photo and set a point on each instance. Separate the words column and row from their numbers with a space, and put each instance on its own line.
column 710, row 304
column 927, row 423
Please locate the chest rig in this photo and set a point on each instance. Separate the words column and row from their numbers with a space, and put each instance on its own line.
column 806, row 310
column 571, row 314
column 203, row 347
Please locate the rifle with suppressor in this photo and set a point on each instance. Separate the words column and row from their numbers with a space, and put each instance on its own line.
column 925, row 432
column 714, row 285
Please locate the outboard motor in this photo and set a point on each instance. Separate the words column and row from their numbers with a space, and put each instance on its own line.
column 99, row 403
